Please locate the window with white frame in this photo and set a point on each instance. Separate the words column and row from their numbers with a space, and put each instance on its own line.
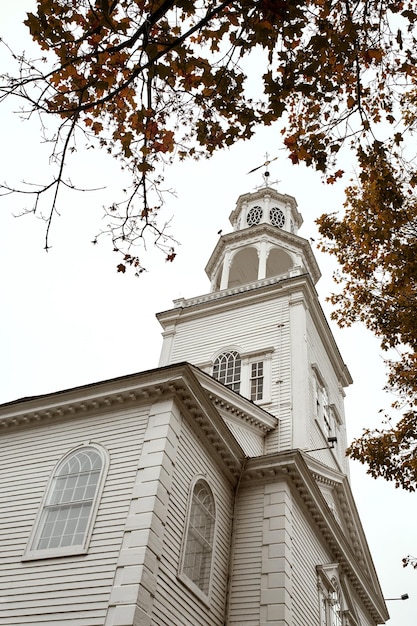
column 199, row 538
column 327, row 417
column 322, row 408
column 257, row 380
column 65, row 519
column 247, row 373
column 227, row 369
column 335, row 607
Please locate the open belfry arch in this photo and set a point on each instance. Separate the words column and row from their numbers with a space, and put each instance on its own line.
column 263, row 243
column 213, row 490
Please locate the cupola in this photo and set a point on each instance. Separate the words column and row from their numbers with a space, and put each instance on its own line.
column 266, row 206
column 264, row 243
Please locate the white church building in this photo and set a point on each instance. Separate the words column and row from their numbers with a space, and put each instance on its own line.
column 211, row 491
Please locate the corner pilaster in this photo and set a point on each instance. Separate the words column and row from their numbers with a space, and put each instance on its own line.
column 299, row 370
column 276, row 580
column 132, row 596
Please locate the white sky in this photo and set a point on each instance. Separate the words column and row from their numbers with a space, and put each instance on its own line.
column 68, row 318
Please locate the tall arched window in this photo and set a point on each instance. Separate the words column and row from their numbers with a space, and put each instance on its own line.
column 65, row 519
column 227, row 369
column 199, row 537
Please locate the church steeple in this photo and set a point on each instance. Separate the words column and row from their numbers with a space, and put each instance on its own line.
column 261, row 330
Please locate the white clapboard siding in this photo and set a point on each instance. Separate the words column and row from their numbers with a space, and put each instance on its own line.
column 174, row 602
column 252, row 443
column 308, row 552
column 74, row 589
column 249, row 328
column 363, row 618
column 319, row 356
column 330, row 495
column 245, row 591
column 281, row 383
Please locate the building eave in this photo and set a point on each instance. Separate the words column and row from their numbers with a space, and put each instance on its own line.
column 339, row 482
column 182, row 382
column 233, row 404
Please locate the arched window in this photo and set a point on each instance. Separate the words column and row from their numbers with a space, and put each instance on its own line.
column 70, row 504
column 199, row 537
column 227, row 369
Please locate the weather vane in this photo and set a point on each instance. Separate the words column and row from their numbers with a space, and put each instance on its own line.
column 266, row 174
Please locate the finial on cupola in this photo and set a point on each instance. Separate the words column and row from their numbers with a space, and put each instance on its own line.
column 266, row 174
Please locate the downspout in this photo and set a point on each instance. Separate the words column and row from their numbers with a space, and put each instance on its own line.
column 232, row 541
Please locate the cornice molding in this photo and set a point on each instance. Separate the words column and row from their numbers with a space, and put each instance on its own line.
column 232, row 291
column 231, row 410
column 229, row 402
column 177, row 382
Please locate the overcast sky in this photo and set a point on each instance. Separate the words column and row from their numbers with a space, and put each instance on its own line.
column 68, row 318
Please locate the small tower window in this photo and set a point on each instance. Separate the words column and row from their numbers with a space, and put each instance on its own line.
column 327, row 420
column 199, row 539
column 257, row 381
column 277, row 217
column 334, row 606
column 227, row 369
column 254, row 216
column 323, row 409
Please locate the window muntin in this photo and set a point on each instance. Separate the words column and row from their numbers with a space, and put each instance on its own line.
column 334, row 606
column 323, row 410
column 327, row 420
column 254, row 216
column 69, row 505
column 227, row 369
column 198, row 551
column 277, row 217
column 257, row 380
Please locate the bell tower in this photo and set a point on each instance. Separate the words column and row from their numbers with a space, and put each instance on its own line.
column 264, row 242
column 262, row 332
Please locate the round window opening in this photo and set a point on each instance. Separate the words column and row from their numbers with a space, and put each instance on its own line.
column 254, row 215
column 277, row 217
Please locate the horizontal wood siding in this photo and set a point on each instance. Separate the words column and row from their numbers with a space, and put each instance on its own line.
column 75, row 589
column 363, row 617
column 281, row 381
column 245, row 591
column 252, row 443
column 249, row 328
column 308, row 552
column 317, row 354
column 174, row 603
